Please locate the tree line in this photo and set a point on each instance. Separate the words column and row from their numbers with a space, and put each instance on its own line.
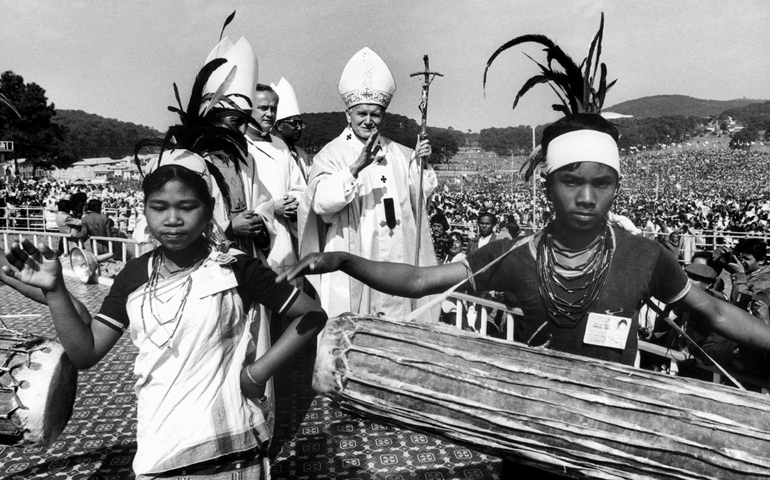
column 48, row 137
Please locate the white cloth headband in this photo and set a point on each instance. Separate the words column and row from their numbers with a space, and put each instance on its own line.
column 582, row 146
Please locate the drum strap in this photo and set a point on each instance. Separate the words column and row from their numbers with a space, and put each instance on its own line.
column 440, row 298
column 681, row 332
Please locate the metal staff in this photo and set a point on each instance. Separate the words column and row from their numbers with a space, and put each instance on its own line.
column 427, row 78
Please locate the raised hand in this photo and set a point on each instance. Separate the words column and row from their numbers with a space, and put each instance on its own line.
column 36, row 266
column 313, row 264
column 372, row 149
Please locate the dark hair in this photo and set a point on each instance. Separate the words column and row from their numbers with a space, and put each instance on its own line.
column 458, row 235
column 63, row 205
column 156, row 180
column 573, row 123
column 94, row 205
column 488, row 214
column 261, row 87
column 440, row 218
column 756, row 246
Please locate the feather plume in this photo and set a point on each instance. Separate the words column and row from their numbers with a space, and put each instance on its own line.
column 204, row 130
column 227, row 22
column 573, row 84
column 217, row 96
column 5, row 100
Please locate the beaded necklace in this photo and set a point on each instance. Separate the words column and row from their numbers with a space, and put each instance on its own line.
column 556, row 280
column 150, row 295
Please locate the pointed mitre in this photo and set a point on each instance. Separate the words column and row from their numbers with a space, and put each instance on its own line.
column 242, row 88
column 287, row 100
column 366, row 79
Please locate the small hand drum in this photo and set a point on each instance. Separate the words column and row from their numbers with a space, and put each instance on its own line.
column 37, row 389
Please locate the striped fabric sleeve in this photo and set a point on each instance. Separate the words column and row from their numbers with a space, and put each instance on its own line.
column 113, row 311
column 111, row 322
column 289, row 301
column 256, row 283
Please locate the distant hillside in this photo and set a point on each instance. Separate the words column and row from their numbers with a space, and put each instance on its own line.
column 672, row 105
column 756, row 115
column 88, row 135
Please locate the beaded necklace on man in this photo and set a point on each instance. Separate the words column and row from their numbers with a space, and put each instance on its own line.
column 559, row 278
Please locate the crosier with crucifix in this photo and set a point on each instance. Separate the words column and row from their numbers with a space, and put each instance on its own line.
column 363, row 192
column 427, row 79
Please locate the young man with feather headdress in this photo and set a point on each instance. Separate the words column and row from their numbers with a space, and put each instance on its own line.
column 579, row 277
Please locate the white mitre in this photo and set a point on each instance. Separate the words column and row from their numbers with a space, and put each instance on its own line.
column 366, row 79
column 243, row 86
column 287, row 100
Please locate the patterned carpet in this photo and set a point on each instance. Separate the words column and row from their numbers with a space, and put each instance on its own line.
column 313, row 439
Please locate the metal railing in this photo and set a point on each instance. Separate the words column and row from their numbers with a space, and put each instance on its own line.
column 53, row 240
column 39, row 219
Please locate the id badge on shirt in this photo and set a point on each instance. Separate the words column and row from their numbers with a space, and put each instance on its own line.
column 211, row 279
column 607, row 330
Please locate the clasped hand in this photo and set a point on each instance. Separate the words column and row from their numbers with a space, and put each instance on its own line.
column 247, row 224
column 36, row 266
column 286, row 207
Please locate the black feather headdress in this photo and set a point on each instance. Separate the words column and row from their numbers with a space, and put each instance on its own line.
column 208, row 126
column 574, row 85
column 202, row 127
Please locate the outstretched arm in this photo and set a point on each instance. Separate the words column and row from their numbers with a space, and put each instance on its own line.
column 393, row 278
column 38, row 267
column 727, row 319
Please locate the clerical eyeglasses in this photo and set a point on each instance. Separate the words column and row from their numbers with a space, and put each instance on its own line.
column 295, row 123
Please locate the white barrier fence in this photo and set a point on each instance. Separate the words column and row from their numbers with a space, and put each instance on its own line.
column 122, row 248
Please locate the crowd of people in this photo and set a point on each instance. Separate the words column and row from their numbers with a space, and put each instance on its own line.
column 239, row 213
column 661, row 191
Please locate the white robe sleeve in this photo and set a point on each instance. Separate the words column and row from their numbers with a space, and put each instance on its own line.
column 334, row 192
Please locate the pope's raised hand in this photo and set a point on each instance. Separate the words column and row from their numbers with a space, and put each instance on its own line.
column 372, row 149
column 36, row 266
column 312, row 264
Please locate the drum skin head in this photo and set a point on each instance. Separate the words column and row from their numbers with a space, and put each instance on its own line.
column 47, row 394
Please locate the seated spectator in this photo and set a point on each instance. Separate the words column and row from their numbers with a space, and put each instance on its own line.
column 438, row 229
column 511, row 230
column 486, row 223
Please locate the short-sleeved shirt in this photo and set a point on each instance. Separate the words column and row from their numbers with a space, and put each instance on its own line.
column 640, row 269
column 256, row 283
column 193, row 335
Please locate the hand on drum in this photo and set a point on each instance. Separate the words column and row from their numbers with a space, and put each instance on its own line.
column 36, row 266
column 312, row 264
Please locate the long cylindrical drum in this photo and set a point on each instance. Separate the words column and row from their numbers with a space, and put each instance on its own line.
column 38, row 383
column 567, row 414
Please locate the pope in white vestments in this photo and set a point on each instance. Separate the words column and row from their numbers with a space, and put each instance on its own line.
column 362, row 196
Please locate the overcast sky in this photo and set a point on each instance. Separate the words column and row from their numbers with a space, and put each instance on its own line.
column 119, row 58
